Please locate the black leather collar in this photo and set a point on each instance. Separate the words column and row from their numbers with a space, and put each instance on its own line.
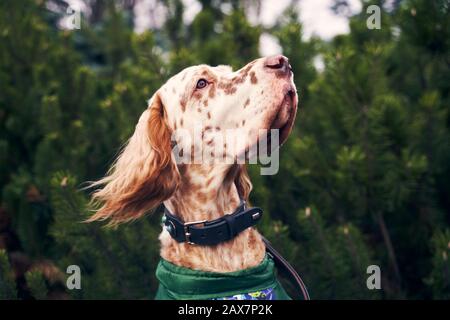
column 209, row 233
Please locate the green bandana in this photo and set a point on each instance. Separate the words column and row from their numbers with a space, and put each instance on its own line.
column 179, row 283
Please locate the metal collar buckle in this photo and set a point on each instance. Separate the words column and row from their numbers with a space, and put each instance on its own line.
column 186, row 226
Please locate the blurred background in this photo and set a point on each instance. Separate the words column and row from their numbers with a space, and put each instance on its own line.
column 364, row 178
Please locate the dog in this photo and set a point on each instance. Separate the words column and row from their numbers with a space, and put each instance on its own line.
column 261, row 95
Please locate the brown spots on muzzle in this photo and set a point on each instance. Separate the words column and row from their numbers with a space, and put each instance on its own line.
column 242, row 76
column 230, row 86
column 247, row 102
column 253, row 78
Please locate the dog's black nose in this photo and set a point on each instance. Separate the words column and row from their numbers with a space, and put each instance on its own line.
column 278, row 63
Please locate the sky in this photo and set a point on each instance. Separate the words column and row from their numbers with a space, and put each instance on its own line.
column 315, row 15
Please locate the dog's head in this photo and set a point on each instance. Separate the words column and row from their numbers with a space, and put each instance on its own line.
column 228, row 109
column 200, row 107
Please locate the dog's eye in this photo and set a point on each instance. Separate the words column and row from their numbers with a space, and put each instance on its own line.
column 201, row 83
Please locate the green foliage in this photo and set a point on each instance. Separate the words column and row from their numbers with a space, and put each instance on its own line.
column 439, row 278
column 36, row 284
column 363, row 179
column 113, row 263
column 7, row 285
column 342, row 251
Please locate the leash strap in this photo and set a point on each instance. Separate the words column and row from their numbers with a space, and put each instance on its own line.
column 208, row 233
column 283, row 265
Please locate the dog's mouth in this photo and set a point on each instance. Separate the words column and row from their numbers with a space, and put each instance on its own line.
column 282, row 121
column 285, row 115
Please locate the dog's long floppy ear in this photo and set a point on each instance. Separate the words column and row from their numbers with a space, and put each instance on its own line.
column 144, row 174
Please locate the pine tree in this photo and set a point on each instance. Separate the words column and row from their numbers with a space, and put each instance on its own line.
column 38, row 287
column 363, row 179
column 7, row 284
column 439, row 278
